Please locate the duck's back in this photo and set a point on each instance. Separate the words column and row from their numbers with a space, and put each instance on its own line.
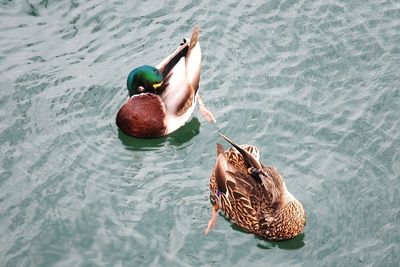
column 242, row 202
column 263, row 207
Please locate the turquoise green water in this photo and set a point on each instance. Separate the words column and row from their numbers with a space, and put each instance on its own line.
column 314, row 84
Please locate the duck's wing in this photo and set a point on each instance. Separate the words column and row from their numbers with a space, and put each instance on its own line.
column 273, row 185
column 237, row 194
column 170, row 61
column 181, row 72
column 269, row 177
column 193, row 60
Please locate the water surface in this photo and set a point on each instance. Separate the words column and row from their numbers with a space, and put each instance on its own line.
column 314, row 84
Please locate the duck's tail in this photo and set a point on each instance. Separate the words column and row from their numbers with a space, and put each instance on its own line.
column 250, row 160
column 194, row 38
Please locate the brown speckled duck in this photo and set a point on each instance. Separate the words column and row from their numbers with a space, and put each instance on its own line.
column 253, row 196
column 163, row 98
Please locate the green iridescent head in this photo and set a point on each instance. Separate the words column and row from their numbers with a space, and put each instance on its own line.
column 144, row 79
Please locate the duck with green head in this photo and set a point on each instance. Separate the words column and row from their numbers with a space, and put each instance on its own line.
column 163, row 98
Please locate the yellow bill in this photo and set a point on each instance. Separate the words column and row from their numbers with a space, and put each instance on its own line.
column 157, row 85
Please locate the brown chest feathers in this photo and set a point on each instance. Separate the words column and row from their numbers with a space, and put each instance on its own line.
column 142, row 116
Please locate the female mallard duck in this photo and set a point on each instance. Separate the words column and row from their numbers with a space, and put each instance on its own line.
column 163, row 98
column 252, row 195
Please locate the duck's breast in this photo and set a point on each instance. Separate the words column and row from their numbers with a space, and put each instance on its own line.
column 143, row 116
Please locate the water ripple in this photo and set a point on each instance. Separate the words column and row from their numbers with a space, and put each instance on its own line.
column 314, row 84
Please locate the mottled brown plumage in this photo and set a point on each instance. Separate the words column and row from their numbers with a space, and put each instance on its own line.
column 254, row 196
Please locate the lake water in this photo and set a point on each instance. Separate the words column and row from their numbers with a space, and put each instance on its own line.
column 314, row 84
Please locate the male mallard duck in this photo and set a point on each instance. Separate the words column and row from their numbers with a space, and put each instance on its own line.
column 163, row 98
column 252, row 195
